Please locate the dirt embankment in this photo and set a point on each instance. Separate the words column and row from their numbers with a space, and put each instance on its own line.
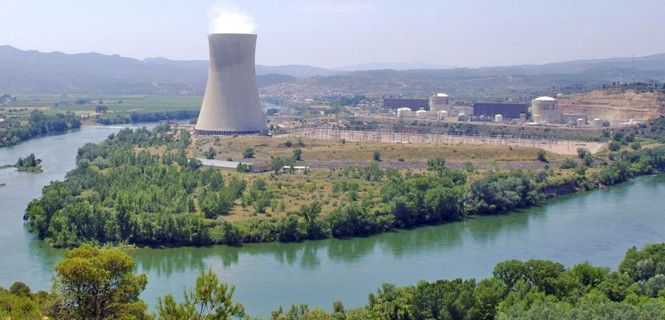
column 614, row 106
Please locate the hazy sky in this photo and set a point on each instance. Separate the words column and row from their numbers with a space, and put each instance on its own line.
column 344, row 32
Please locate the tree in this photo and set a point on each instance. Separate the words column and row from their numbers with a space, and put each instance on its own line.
column 98, row 283
column 297, row 154
column 209, row 300
column 100, row 108
column 377, row 155
column 310, row 214
column 248, row 153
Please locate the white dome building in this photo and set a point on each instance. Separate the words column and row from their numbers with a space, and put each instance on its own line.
column 545, row 109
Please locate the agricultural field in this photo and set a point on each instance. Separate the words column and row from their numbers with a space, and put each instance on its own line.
column 89, row 103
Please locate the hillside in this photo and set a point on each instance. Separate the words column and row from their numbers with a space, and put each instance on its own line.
column 517, row 83
column 55, row 72
column 613, row 105
column 92, row 73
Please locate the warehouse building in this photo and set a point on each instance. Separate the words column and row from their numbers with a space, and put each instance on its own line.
column 413, row 104
column 506, row 110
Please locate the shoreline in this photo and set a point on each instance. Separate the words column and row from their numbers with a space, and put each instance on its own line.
column 566, row 189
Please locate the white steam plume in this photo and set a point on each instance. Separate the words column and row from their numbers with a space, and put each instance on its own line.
column 225, row 18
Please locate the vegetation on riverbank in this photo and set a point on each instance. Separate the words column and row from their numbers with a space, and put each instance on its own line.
column 140, row 187
column 94, row 283
column 29, row 164
column 138, row 117
column 16, row 129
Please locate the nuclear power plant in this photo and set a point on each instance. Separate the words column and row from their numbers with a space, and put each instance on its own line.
column 231, row 102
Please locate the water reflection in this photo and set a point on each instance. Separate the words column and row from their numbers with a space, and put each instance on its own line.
column 309, row 254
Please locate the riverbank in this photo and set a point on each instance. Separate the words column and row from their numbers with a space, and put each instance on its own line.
column 22, row 126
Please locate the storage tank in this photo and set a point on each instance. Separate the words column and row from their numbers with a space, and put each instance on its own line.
column 438, row 102
column 498, row 118
column 403, row 112
column 442, row 115
column 545, row 109
column 462, row 117
column 231, row 102
column 522, row 117
column 598, row 123
column 421, row 114
column 580, row 122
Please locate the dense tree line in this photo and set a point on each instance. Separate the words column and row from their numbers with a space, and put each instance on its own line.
column 13, row 130
column 94, row 283
column 121, row 192
column 137, row 117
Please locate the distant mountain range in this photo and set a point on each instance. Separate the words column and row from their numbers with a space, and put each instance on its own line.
column 56, row 72
column 92, row 73
column 399, row 66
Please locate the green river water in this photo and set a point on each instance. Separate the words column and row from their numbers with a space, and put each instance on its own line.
column 596, row 226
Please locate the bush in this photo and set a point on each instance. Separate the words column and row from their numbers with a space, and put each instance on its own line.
column 248, row 153
column 614, row 146
column 542, row 156
column 377, row 155
column 568, row 163
column 210, row 154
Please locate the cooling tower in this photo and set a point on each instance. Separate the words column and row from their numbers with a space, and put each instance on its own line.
column 231, row 101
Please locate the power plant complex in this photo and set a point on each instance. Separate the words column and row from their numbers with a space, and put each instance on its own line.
column 231, row 102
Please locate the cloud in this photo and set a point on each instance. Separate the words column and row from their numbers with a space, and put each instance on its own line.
column 336, row 8
column 225, row 18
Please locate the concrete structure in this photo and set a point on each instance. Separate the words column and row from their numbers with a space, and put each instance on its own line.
column 295, row 169
column 498, row 118
column 442, row 115
column 222, row 163
column 598, row 123
column 404, row 113
column 231, row 102
column 507, row 110
column 421, row 114
column 545, row 110
column 413, row 104
column 572, row 118
column 581, row 122
column 438, row 102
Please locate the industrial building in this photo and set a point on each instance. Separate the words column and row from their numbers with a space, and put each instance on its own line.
column 544, row 109
column 413, row 104
column 438, row 102
column 231, row 102
column 506, row 110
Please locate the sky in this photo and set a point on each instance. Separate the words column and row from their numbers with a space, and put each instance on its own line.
column 460, row 33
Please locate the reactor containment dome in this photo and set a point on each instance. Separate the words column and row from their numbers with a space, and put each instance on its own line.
column 231, row 102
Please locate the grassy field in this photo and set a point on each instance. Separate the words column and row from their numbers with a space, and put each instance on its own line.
column 87, row 103
column 291, row 191
column 326, row 150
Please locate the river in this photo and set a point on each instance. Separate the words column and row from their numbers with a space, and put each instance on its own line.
column 596, row 226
